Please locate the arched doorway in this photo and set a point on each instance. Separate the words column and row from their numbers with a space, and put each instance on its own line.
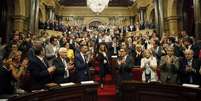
column 152, row 19
column 3, row 19
column 95, row 24
column 6, row 11
column 188, row 17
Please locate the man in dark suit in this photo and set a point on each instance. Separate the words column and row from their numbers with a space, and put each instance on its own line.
column 82, row 69
column 189, row 68
column 31, row 54
column 6, row 79
column 124, row 64
column 39, row 69
column 62, row 72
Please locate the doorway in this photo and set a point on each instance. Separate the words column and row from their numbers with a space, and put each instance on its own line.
column 6, row 12
column 188, row 17
column 95, row 24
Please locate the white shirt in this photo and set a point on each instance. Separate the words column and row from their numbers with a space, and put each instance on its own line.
column 82, row 56
column 152, row 63
column 105, row 60
column 41, row 59
column 107, row 38
column 66, row 75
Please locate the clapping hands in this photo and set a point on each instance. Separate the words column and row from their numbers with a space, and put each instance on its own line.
column 51, row 69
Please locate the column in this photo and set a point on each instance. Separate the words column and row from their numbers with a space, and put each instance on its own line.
column 142, row 13
column 197, row 10
column 51, row 12
column 173, row 24
column 19, row 15
column 32, row 14
column 33, row 23
column 132, row 20
column 158, row 5
column 157, row 26
column 19, row 22
column 37, row 16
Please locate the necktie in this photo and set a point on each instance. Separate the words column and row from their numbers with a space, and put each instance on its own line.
column 66, row 74
column 191, row 79
column 84, row 58
column 43, row 61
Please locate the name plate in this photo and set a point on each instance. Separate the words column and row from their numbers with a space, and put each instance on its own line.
column 67, row 84
column 190, row 85
column 3, row 99
column 114, row 56
column 87, row 82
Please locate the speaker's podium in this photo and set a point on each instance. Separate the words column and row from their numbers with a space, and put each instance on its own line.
column 154, row 91
column 85, row 91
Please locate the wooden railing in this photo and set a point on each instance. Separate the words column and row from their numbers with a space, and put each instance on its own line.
column 77, row 92
column 138, row 91
column 137, row 73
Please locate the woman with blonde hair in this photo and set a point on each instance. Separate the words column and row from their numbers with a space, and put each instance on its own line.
column 70, row 53
column 149, row 66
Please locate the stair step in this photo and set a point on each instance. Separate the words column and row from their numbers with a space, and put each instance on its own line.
column 107, row 90
column 107, row 80
column 108, row 77
column 107, row 98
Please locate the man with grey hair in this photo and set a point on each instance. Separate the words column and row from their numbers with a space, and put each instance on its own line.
column 63, row 67
column 189, row 68
column 169, row 66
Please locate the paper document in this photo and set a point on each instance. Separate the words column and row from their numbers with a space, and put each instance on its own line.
column 3, row 99
column 114, row 56
column 191, row 85
column 67, row 84
column 87, row 82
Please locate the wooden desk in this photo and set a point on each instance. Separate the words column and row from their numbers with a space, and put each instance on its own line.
column 137, row 73
column 75, row 92
column 137, row 91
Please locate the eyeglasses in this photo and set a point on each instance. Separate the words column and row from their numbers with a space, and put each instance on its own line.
column 122, row 51
column 188, row 54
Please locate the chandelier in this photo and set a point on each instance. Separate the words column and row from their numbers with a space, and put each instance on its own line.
column 97, row 6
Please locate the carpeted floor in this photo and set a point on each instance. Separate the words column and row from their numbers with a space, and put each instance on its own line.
column 108, row 92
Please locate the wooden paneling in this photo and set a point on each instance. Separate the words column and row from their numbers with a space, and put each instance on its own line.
column 76, row 92
column 137, row 91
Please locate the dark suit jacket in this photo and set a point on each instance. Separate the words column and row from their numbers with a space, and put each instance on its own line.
column 39, row 73
column 60, row 71
column 6, row 80
column 137, row 58
column 185, row 76
column 178, row 51
column 104, row 67
column 111, row 51
column 31, row 54
column 82, row 69
column 125, row 69
column 158, row 53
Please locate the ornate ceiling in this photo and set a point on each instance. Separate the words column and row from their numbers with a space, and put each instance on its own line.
column 117, row 3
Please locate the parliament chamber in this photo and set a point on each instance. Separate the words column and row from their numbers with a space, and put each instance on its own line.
column 100, row 50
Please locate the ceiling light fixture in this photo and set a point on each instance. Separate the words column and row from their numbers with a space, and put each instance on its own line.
column 97, row 6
